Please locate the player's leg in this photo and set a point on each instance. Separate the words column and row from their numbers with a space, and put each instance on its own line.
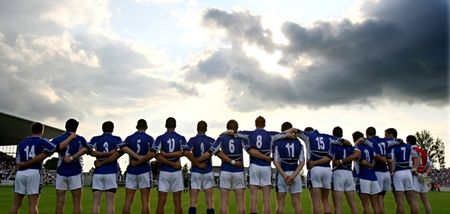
column 177, row 202
column 60, row 200
column 193, row 196
column 374, row 203
column 266, row 198
column 110, row 199
column 209, row 195
column 399, row 197
column 240, row 200
column 280, row 202
column 162, row 197
column 76, row 200
column 129, row 197
column 295, row 199
column 326, row 186
column 325, row 201
column 315, row 199
column 350, row 195
column 17, row 202
column 411, row 197
column 253, row 198
column 96, row 199
column 365, row 202
column 33, row 202
column 145, row 198
column 426, row 202
column 337, row 201
column 224, row 194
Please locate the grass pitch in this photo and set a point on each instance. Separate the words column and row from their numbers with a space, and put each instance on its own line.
column 439, row 202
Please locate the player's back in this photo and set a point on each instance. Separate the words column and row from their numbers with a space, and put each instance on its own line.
column 339, row 152
column 106, row 143
column 170, row 142
column 401, row 155
column 140, row 143
column 32, row 146
column 74, row 167
column 367, row 153
column 199, row 145
column 380, row 147
column 319, row 145
column 232, row 147
column 288, row 152
column 423, row 159
column 261, row 140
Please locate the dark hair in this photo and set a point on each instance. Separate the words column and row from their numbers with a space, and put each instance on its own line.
column 71, row 125
column 337, row 131
column 285, row 126
column 232, row 125
column 260, row 122
column 37, row 128
column 202, row 126
column 171, row 123
column 391, row 131
column 411, row 139
column 356, row 135
column 309, row 129
column 141, row 124
column 108, row 127
column 371, row 131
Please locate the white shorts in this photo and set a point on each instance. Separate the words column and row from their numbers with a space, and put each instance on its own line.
column 369, row 187
column 170, row 181
column 232, row 180
column 104, row 182
column 28, row 182
column 343, row 181
column 202, row 181
column 141, row 181
column 68, row 182
column 295, row 187
column 260, row 175
column 419, row 186
column 403, row 181
column 320, row 177
column 384, row 180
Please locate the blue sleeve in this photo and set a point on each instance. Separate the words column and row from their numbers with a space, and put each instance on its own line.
column 273, row 133
column 157, row 145
column 184, row 146
column 120, row 143
column 126, row 142
column 332, row 152
column 216, row 146
column 48, row 147
column 245, row 132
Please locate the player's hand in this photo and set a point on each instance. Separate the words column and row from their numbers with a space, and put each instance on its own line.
column 177, row 165
column 239, row 164
column 360, row 141
column 97, row 163
column 72, row 135
column 310, row 164
column 67, row 159
column 336, row 162
column 268, row 159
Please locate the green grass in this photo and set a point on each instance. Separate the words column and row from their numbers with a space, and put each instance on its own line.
column 438, row 202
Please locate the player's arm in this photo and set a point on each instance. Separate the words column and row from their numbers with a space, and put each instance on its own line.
column 301, row 164
column 257, row 154
column 415, row 158
column 226, row 159
column 176, row 154
column 151, row 154
column 354, row 156
column 366, row 163
column 66, row 142
column 324, row 160
column 276, row 162
column 98, row 154
column 130, row 152
column 113, row 157
column 81, row 152
column 36, row 160
column 163, row 160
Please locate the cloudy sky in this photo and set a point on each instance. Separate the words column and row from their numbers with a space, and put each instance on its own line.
column 352, row 63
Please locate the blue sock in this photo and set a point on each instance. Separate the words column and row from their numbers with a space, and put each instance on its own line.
column 192, row 210
column 210, row 211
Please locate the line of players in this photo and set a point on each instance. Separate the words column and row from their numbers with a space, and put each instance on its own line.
column 375, row 160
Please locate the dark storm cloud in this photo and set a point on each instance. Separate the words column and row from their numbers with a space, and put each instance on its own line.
column 240, row 26
column 399, row 52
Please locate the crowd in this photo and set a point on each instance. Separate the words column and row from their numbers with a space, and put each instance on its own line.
column 6, row 166
column 440, row 178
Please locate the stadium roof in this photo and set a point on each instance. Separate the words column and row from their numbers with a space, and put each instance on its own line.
column 13, row 129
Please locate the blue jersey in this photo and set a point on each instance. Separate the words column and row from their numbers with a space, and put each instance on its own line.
column 140, row 143
column 381, row 148
column 402, row 155
column 260, row 140
column 170, row 142
column 32, row 146
column 232, row 147
column 318, row 145
column 199, row 145
column 288, row 152
column 74, row 167
column 106, row 143
column 338, row 152
column 367, row 154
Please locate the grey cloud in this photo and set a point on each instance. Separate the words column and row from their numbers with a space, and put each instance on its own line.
column 400, row 52
column 240, row 26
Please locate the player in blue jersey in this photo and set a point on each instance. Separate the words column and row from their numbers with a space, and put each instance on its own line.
column 401, row 157
column 138, row 175
column 202, row 177
column 260, row 171
column 104, row 178
column 29, row 157
column 319, row 175
column 289, row 160
column 368, row 187
column 169, row 147
column 69, row 174
column 230, row 148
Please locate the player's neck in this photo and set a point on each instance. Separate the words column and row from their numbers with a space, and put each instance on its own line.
column 171, row 130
